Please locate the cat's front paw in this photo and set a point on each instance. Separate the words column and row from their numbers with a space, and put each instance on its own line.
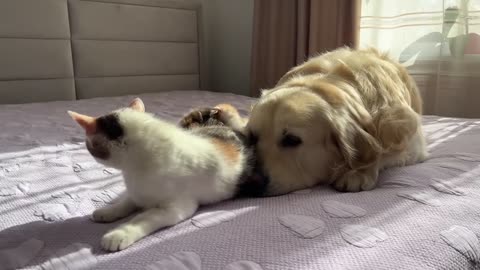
column 118, row 239
column 105, row 215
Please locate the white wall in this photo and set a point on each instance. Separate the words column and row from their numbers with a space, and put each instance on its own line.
column 227, row 29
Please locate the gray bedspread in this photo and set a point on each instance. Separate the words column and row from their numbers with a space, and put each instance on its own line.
column 425, row 216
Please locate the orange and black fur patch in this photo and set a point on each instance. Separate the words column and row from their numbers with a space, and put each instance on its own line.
column 230, row 151
column 232, row 145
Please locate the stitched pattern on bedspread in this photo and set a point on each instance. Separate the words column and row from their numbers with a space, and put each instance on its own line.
column 423, row 216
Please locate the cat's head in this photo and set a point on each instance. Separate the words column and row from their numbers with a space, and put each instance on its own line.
column 105, row 135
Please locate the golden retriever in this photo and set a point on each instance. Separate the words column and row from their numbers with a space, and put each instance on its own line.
column 338, row 118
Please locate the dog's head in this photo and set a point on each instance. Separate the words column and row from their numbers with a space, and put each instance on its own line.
column 309, row 131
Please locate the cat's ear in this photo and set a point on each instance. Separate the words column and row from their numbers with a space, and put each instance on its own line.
column 87, row 122
column 137, row 105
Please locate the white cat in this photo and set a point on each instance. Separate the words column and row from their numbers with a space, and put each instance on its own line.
column 168, row 170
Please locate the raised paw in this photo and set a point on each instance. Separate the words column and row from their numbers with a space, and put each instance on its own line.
column 105, row 215
column 355, row 181
column 200, row 117
column 118, row 239
column 226, row 113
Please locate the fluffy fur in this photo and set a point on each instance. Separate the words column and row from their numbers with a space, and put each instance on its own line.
column 168, row 171
column 338, row 118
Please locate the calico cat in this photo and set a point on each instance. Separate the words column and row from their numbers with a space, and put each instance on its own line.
column 169, row 170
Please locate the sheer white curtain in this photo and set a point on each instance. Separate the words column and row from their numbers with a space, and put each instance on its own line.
column 439, row 42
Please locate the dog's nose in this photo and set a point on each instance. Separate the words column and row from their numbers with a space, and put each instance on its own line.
column 260, row 176
column 260, row 179
column 255, row 184
column 252, row 139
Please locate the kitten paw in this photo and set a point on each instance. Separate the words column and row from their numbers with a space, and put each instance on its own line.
column 105, row 215
column 118, row 239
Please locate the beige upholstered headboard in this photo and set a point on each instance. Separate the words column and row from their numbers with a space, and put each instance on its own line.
column 75, row 49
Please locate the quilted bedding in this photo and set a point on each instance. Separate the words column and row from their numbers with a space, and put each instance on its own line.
column 425, row 216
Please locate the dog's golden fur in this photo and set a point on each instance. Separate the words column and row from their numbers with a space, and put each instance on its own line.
column 355, row 112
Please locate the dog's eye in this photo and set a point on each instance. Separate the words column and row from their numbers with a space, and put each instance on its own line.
column 289, row 140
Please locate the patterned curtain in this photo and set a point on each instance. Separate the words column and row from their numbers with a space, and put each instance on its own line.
column 439, row 42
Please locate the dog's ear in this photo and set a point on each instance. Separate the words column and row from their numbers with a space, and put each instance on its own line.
column 355, row 135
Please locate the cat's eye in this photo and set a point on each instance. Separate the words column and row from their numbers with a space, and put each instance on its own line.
column 290, row 141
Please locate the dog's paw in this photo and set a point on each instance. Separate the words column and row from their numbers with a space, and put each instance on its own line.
column 105, row 215
column 355, row 181
column 118, row 239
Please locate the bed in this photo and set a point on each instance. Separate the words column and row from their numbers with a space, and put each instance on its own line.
column 424, row 216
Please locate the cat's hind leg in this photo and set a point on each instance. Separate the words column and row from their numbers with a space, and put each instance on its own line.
column 120, row 208
column 200, row 117
column 146, row 223
column 221, row 114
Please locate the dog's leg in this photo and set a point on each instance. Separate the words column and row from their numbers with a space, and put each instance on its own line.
column 417, row 148
column 357, row 180
column 400, row 131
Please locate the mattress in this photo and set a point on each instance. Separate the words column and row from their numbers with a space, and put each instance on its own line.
column 425, row 216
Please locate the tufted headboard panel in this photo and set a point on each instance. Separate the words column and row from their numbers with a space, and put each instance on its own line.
column 74, row 49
